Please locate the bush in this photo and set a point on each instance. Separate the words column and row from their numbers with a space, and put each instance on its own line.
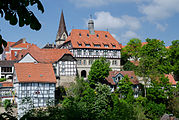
column 7, row 104
column 2, row 79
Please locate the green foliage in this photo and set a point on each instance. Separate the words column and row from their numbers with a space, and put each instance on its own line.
column 2, row 79
column 99, row 70
column 154, row 111
column 129, row 66
column 124, row 56
column 125, row 89
column 174, row 56
column 133, row 48
column 7, row 104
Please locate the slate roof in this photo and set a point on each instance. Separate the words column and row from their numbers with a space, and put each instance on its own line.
column 7, row 63
column 130, row 74
column 80, row 38
column 35, row 72
column 62, row 27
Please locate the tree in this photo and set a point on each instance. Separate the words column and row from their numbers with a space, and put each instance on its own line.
column 99, row 70
column 129, row 66
column 133, row 48
column 152, row 61
column 174, row 56
column 17, row 11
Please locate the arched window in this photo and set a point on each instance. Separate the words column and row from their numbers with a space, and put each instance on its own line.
column 83, row 73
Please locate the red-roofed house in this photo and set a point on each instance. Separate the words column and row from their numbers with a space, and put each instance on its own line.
column 88, row 45
column 115, row 76
column 171, row 79
column 35, row 81
column 64, row 64
column 13, row 48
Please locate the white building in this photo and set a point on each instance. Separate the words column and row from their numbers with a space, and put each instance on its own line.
column 34, row 84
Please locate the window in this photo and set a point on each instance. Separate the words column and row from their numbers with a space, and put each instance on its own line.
column 90, row 62
column 97, row 35
column 79, row 34
column 78, row 52
column 88, row 35
column 87, row 45
column 106, row 46
column 97, row 45
column 113, row 46
column 105, row 52
column 106, row 36
column 97, row 52
column 79, row 62
column 6, row 69
column 114, row 62
column 90, row 52
column 15, row 53
column 109, row 61
column 84, row 62
column 115, row 53
column 79, row 44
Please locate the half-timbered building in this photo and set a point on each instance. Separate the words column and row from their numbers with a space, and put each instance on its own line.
column 34, row 82
column 88, row 45
column 64, row 64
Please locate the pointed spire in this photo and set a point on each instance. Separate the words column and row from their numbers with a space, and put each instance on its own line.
column 62, row 27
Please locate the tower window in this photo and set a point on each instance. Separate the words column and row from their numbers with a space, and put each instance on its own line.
column 106, row 36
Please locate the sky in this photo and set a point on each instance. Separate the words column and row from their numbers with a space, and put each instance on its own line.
column 124, row 19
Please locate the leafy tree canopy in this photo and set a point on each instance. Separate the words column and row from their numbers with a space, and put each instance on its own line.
column 99, row 70
column 18, row 12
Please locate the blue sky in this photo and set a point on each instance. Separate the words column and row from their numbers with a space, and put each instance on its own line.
column 124, row 19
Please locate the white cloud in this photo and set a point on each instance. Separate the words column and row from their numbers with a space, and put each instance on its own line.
column 160, row 9
column 128, row 35
column 161, row 27
column 97, row 3
column 105, row 20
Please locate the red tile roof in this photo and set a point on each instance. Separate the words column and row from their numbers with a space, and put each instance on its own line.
column 136, row 63
column 44, row 55
column 8, row 45
column 6, row 84
column 84, row 37
column 130, row 74
column 35, row 72
column 171, row 79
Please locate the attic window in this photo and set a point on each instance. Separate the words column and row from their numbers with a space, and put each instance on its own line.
column 97, row 45
column 88, row 35
column 113, row 46
column 79, row 34
column 41, row 75
column 87, row 45
column 79, row 44
column 97, row 35
column 106, row 46
column 29, row 75
column 106, row 36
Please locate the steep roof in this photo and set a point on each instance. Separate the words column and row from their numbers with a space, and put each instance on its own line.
column 100, row 40
column 44, row 55
column 62, row 27
column 35, row 72
column 8, row 45
column 130, row 74
column 171, row 79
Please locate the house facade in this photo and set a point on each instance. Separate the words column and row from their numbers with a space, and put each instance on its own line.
column 6, row 89
column 34, row 84
column 89, row 45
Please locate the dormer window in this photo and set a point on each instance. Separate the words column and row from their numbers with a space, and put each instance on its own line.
column 88, row 35
column 113, row 46
column 106, row 36
column 97, row 35
column 87, row 45
column 79, row 34
column 96, row 45
column 106, row 46
column 79, row 45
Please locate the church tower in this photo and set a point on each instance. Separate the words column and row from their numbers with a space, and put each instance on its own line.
column 62, row 32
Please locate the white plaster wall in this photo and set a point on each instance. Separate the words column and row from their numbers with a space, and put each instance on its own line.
column 27, row 59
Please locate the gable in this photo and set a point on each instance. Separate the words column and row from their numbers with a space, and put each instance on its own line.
column 67, row 57
column 27, row 59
